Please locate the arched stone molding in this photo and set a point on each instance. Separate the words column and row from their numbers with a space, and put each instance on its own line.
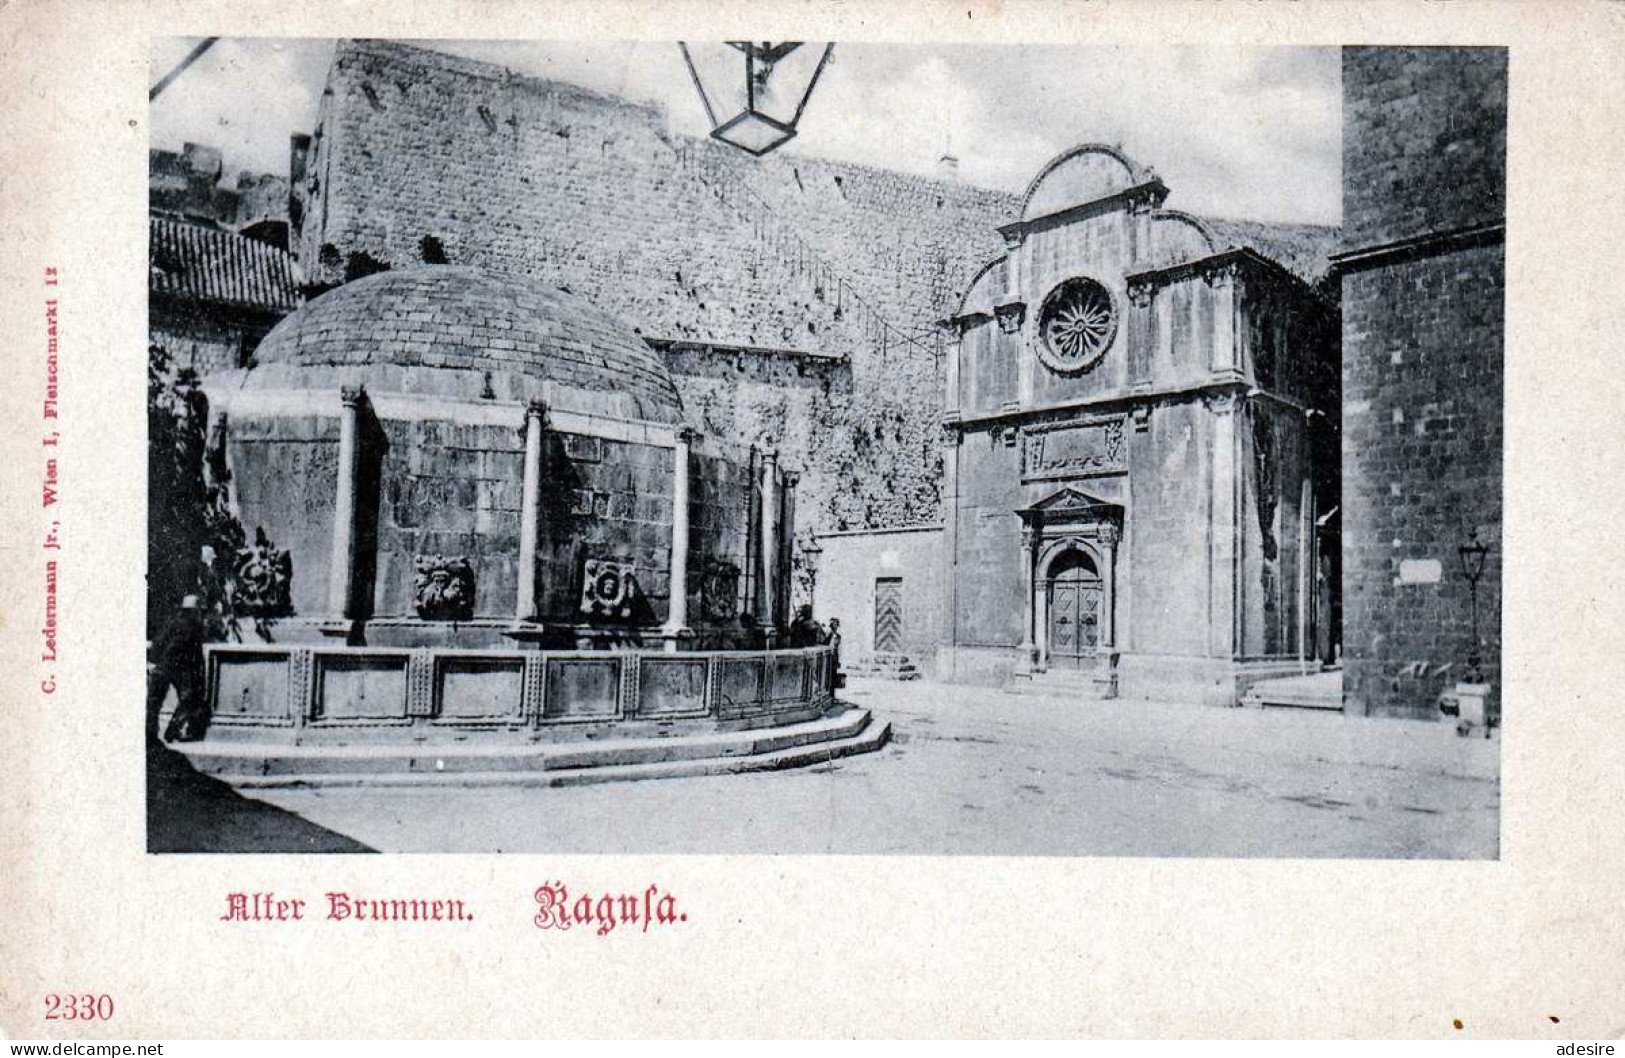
column 1176, row 238
column 1098, row 169
column 1054, row 549
column 985, row 288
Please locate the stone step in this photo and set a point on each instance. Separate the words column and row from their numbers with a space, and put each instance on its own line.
column 1058, row 683
column 1319, row 690
column 849, row 731
column 883, row 667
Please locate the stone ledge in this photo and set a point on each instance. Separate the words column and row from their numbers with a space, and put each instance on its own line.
column 848, row 732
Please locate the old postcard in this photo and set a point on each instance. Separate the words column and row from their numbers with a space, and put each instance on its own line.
column 1085, row 519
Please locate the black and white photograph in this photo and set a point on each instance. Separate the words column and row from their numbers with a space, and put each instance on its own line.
column 881, row 448
column 1022, row 519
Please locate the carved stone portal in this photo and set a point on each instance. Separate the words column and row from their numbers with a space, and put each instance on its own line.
column 443, row 588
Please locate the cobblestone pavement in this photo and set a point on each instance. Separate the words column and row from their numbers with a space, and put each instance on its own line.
column 975, row 770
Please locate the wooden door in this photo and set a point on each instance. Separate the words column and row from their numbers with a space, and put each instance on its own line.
column 889, row 615
column 1075, row 597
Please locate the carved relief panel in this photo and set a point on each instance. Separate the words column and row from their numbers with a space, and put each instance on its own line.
column 1073, row 449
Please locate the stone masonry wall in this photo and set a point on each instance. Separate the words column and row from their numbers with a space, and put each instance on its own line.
column 1424, row 141
column 420, row 156
column 1423, row 334
column 439, row 487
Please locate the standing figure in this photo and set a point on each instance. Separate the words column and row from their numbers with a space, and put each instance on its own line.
column 804, row 631
column 833, row 639
column 178, row 662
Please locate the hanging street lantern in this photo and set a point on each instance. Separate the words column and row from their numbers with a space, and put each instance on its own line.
column 1473, row 554
column 811, row 554
column 754, row 92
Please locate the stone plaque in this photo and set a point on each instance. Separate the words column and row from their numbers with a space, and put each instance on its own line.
column 741, row 683
column 786, row 679
column 362, row 688
column 672, row 686
column 480, row 688
column 1073, row 450
column 250, row 686
column 584, row 689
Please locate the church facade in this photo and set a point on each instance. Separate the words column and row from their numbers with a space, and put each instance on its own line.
column 1140, row 446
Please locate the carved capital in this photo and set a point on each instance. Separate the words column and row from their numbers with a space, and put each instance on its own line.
column 1010, row 315
column 1142, row 418
column 792, row 478
column 1014, row 236
column 1221, row 274
column 687, row 435
column 351, row 396
column 536, row 408
column 1140, row 294
column 1224, row 402
column 1109, row 534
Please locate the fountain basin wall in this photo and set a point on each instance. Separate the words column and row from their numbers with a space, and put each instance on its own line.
column 299, row 694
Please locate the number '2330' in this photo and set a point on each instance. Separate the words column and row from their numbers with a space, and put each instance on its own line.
column 86, row 1007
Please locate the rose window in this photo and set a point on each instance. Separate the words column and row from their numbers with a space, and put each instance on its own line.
column 1078, row 324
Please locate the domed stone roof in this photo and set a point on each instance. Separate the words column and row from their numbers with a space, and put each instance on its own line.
column 451, row 331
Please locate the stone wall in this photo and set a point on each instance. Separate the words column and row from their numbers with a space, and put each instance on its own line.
column 1422, row 466
column 1424, row 141
column 1423, row 333
column 853, row 566
column 206, row 338
column 433, row 486
column 419, row 155
column 187, row 183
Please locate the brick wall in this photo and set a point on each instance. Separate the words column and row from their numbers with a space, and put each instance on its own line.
column 1424, row 141
column 688, row 242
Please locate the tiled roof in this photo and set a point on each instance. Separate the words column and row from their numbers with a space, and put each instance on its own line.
column 210, row 264
column 1302, row 249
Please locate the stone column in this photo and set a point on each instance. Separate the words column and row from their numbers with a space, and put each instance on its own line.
column 530, row 504
column 787, row 543
column 1224, row 526
column 1225, row 355
column 1306, row 564
column 1041, row 643
column 1108, row 593
column 676, row 624
column 1027, row 652
column 769, row 617
column 341, row 571
column 950, row 525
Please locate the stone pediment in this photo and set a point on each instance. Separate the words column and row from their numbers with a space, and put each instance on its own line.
column 1072, row 504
